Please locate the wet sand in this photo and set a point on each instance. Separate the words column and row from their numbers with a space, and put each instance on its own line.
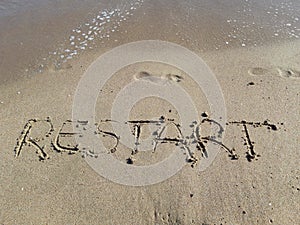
column 260, row 80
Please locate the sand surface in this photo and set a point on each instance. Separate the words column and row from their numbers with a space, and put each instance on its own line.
column 260, row 81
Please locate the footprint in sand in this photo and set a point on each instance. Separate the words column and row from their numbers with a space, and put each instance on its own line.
column 160, row 80
column 258, row 71
column 288, row 73
column 283, row 72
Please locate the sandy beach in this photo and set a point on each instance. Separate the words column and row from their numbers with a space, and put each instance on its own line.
column 254, row 56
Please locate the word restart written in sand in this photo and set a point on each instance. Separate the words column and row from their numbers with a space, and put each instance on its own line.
column 158, row 135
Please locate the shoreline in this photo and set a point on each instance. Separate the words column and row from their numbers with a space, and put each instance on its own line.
column 53, row 31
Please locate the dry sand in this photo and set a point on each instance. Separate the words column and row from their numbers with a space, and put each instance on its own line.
column 258, row 83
